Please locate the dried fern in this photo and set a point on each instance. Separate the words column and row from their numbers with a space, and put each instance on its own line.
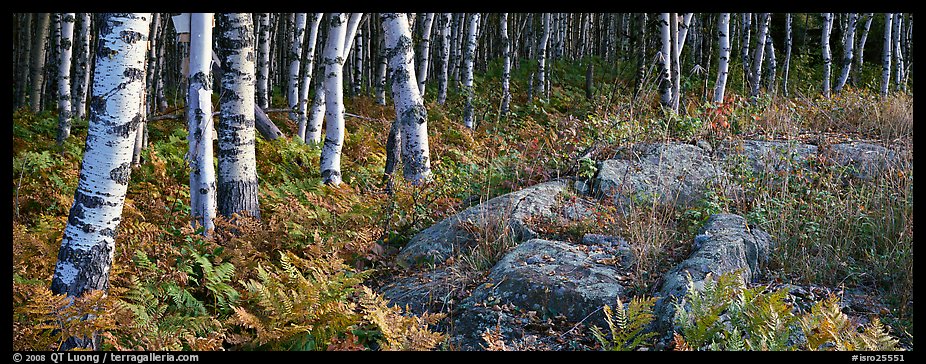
column 627, row 325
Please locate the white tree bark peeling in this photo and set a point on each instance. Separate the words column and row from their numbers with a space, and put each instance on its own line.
column 333, row 59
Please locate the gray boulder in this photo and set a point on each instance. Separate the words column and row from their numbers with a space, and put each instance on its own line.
column 442, row 240
column 765, row 157
column 862, row 160
column 547, row 278
column 724, row 244
column 675, row 173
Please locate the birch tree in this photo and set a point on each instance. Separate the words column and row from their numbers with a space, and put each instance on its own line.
column 263, row 62
column 199, row 122
column 896, row 35
column 82, row 69
column 860, row 57
column 411, row 115
column 506, row 62
column 886, row 54
column 64, row 76
column 723, row 31
column 295, row 53
column 665, row 61
column 542, row 56
column 758, row 54
column 333, row 60
column 744, row 45
column 380, row 78
column 848, row 53
column 424, row 49
column 444, row 60
column 237, row 189
column 88, row 243
column 827, row 56
column 38, row 61
column 307, row 77
column 787, row 64
column 468, row 60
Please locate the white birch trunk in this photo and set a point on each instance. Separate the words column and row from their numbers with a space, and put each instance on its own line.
column 295, row 53
column 445, row 46
column 411, row 114
column 665, row 61
column 65, row 49
column 307, row 78
column 758, row 54
column 468, row 61
column 38, row 61
column 381, row 72
column 313, row 131
column 772, row 64
column 744, row 44
column 827, row 56
column 723, row 34
column 333, row 59
column 886, row 55
column 82, row 76
column 860, row 57
column 237, row 189
column 787, row 65
column 199, row 119
column 898, row 51
column 263, row 62
column 676, row 65
column 424, row 51
column 683, row 26
column 506, row 63
column 542, row 56
column 848, row 49
column 88, row 243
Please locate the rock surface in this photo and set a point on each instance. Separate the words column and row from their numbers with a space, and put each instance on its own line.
column 724, row 244
column 863, row 160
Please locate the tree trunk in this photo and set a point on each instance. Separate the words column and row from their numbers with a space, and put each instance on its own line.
column 506, row 63
column 468, row 60
column 88, row 244
column 64, row 76
column 640, row 75
column 860, row 57
column 22, row 59
column 886, row 54
column 199, row 118
column 424, row 49
column 307, row 77
column 444, row 64
column 665, row 61
column 787, row 62
column 411, row 115
column 848, row 52
column 295, row 52
column 263, row 62
column 744, row 44
column 771, row 80
column 723, row 32
column 333, row 59
column 381, row 73
column 827, row 56
column 38, row 61
column 542, row 57
column 758, row 55
column 898, row 51
column 237, row 188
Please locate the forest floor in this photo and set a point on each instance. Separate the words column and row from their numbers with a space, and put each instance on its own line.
column 170, row 292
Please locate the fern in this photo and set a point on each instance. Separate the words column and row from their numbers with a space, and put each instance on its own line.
column 626, row 325
column 399, row 332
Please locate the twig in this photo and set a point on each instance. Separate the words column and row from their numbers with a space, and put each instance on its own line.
column 18, row 185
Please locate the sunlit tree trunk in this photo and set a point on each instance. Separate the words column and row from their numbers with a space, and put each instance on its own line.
column 424, row 51
column 381, row 73
column 848, row 53
column 723, row 34
column 444, row 60
column 886, row 54
column 263, row 62
column 411, row 115
column 65, row 49
column 860, row 56
column 542, row 56
column 787, row 65
column 295, row 53
column 898, row 51
column 665, row 61
column 506, row 63
column 827, row 55
column 744, row 45
column 86, row 253
column 82, row 74
column 237, row 190
column 316, row 19
column 771, row 80
column 674, row 59
column 199, row 119
column 333, row 60
column 468, row 60
column 758, row 55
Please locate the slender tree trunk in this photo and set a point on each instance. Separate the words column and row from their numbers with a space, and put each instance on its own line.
column 886, row 54
column 38, row 61
column 381, row 73
column 787, row 65
column 444, row 64
column 333, row 59
column 411, row 115
column 87, row 247
column 898, row 51
column 674, row 58
column 424, row 49
column 263, row 62
column 542, row 57
column 468, row 60
column 506, row 63
column 64, row 76
column 295, row 53
column 199, row 117
column 744, row 44
column 82, row 69
column 640, row 75
column 771, row 80
column 848, row 52
column 860, row 57
column 723, row 31
column 665, row 61
column 237, row 165
column 758, row 54
column 316, row 19
column 827, row 56
column 25, row 50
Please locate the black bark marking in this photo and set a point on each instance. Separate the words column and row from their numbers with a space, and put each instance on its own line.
column 92, row 268
column 121, row 174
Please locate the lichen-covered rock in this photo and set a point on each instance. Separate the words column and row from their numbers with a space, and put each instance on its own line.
column 765, row 157
column 724, row 244
column 430, row 291
column 549, row 278
column 675, row 173
column 444, row 239
column 863, row 160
